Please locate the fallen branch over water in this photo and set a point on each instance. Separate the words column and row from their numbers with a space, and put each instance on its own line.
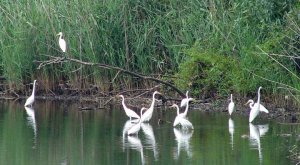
column 56, row 60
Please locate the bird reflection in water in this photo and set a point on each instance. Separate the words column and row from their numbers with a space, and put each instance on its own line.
column 183, row 137
column 231, row 131
column 150, row 139
column 256, row 132
column 32, row 122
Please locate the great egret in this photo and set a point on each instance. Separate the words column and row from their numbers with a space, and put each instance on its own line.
column 180, row 119
column 230, row 105
column 62, row 43
column 261, row 107
column 255, row 109
column 130, row 113
column 184, row 114
column 148, row 114
column 185, row 100
column 30, row 100
column 136, row 128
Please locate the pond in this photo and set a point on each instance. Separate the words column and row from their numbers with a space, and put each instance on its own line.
column 58, row 133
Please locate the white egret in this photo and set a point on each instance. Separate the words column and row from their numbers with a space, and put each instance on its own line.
column 255, row 109
column 148, row 114
column 261, row 107
column 184, row 114
column 136, row 128
column 230, row 105
column 30, row 100
column 130, row 113
column 62, row 43
column 185, row 100
column 180, row 119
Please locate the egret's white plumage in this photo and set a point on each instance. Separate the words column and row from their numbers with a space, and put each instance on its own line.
column 180, row 119
column 136, row 128
column 185, row 100
column 130, row 113
column 255, row 109
column 30, row 100
column 148, row 114
column 62, row 43
column 261, row 107
column 231, row 105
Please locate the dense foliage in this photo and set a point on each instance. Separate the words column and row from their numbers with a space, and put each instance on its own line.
column 214, row 45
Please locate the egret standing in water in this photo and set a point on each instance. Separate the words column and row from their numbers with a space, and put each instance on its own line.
column 130, row 113
column 261, row 107
column 185, row 100
column 230, row 105
column 136, row 128
column 148, row 114
column 255, row 109
column 62, row 43
column 30, row 99
column 180, row 119
column 184, row 114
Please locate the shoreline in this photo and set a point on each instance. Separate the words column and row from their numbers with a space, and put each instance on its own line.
column 284, row 113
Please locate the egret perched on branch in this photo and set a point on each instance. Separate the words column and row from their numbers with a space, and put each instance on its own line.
column 180, row 119
column 136, row 128
column 30, row 99
column 230, row 105
column 256, row 108
column 148, row 114
column 130, row 113
column 62, row 43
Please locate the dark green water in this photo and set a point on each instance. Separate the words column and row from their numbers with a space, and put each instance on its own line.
column 57, row 133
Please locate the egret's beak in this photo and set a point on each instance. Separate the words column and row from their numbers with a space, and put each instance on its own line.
column 247, row 102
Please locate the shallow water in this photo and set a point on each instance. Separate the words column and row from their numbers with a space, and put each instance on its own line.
column 57, row 133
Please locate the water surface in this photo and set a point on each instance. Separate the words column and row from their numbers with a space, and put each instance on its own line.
column 58, row 133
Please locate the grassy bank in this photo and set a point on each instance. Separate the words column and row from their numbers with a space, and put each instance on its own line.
column 150, row 37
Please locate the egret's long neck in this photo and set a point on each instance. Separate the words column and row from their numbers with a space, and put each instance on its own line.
column 177, row 110
column 33, row 90
column 231, row 97
column 153, row 101
column 123, row 102
column 186, row 108
column 258, row 96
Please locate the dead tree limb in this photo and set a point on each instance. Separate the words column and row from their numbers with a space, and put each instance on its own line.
column 55, row 60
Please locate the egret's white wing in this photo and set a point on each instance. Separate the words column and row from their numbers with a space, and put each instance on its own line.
column 263, row 109
column 254, row 112
column 185, row 123
column 184, row 102
column 230, row 107
column 176, row 121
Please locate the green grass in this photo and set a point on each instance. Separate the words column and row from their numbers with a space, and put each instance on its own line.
column 149, row 37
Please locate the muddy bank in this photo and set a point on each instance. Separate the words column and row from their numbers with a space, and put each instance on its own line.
column 281, row 109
